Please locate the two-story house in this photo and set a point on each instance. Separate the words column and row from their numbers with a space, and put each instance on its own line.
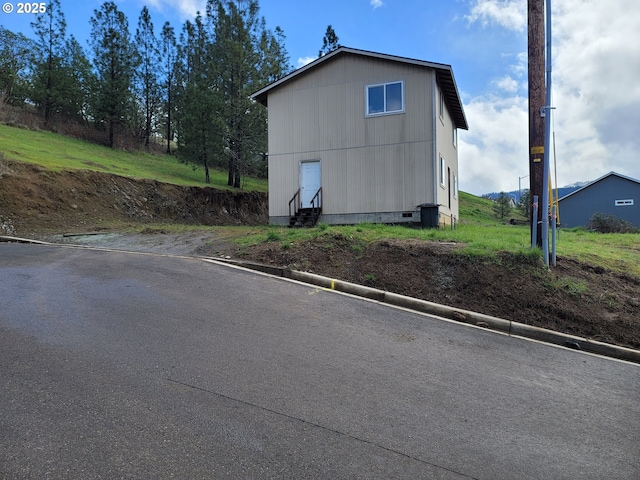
column 358, row 136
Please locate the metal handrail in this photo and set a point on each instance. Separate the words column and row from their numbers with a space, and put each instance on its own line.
column 295, row 208
column 316, row 209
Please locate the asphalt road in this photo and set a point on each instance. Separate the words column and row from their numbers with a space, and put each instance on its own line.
column 120, row 365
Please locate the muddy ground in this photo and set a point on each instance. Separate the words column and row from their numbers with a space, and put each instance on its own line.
column 575, row 298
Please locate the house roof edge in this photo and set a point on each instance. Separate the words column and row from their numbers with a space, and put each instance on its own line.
column 598, row 180
column 444, row 75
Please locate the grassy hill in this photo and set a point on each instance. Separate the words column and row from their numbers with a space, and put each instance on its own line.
column 55, row 152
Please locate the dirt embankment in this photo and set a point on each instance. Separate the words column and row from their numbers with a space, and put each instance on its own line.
column 574, row 298
column 33, row 199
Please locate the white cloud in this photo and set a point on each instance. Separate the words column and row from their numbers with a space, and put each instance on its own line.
column 511, row 14
column 187, row 8
column 492, row 151
column 595, row 91
column 507, row 84
column 376, row 3
column 302, row 61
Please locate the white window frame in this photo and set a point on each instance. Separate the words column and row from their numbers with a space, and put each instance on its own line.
column 443, row 177
column 455, row 137
column 627, row 202
column 441, row 106
column 384, row 112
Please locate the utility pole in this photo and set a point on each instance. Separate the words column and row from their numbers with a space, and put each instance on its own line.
column 537, row 100
column 547, row 139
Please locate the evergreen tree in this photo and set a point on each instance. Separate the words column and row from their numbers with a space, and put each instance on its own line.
column 16, row 56
column 50, row 82
column 199, row 122
column 275, row 61
column 502, row 205
column 330, row 42
column 115, row 61
column 244, row 55
column 182, row 70
column 169, row 54
column 148, row 88
column 80, row 81
column 275, row 65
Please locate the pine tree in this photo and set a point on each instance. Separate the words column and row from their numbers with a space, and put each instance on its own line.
column 169, row 54
column 247, row 55
column 148, row 88
column 276, row 61
column 275, row 65
column 199, row 123
column 224, row 58
column 16, row 56
column 502, row 205
column 115, row 61
column 50, row 88
column 330, row 42
column 80, row 80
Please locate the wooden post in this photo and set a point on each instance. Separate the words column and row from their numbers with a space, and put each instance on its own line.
column 537, row 100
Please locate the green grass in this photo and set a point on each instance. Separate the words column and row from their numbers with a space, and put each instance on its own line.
column 619, row 252
column 477, row 238
column 55, row 152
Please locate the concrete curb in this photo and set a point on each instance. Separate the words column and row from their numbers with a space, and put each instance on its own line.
column 4, row 238
column 508, row 327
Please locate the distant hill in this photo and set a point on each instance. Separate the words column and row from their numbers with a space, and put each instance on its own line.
column 562, row 191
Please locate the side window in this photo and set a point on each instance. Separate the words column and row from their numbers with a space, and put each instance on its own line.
column 384, row 98
column 443, row 168
column 441, row 104
column 455, row 136
column 455, row 186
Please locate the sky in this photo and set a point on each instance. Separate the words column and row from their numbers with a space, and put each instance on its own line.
column 595, row 59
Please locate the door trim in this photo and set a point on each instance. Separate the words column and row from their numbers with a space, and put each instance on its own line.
column 309, row 195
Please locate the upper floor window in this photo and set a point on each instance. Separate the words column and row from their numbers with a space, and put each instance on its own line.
column 385, row 98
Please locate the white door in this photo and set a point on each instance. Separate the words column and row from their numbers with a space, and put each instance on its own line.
column 309, row 182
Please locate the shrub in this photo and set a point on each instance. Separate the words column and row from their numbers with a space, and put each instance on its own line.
column 273, row 236
column 604, row 223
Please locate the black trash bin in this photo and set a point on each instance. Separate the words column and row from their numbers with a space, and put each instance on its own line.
column 429, row 216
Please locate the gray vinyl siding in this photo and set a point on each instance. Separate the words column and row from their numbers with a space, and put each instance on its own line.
column 577, row 208
column 375, row 164
column 446, row 149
